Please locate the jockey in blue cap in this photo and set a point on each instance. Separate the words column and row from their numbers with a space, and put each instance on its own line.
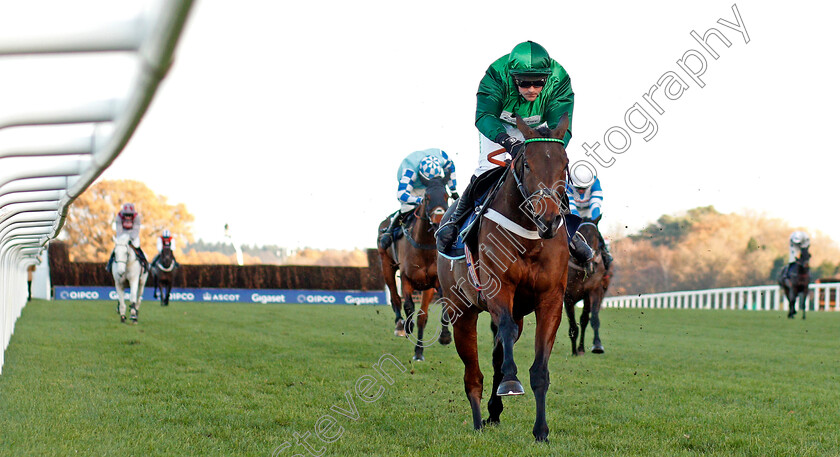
column 428, row 164
column 585, row 199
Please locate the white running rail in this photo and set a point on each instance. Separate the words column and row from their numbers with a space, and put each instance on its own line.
column 55, row 138
column 821, row 297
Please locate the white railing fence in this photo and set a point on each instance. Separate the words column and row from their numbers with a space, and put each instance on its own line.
column 66, row 114
column 821, row 297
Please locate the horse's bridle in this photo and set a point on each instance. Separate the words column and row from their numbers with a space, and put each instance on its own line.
column 543, row 192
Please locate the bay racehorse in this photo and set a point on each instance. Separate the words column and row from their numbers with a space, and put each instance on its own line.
column 589, row 287
column 163, row 272
column 522, row 269
column 794, row 280
column 128, row 271
column 415, row 257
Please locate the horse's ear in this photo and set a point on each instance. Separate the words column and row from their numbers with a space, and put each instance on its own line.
column 597, row 219
column 562, row 127
column 528, row 132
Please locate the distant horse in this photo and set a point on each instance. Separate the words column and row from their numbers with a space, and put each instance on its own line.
column 522, row 269
column 794, row 280
column 590, row 288
column 128, row 271
column 163, row 272
column 415, row 257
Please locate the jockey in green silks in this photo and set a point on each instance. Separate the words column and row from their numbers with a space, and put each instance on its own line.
column 528, row 83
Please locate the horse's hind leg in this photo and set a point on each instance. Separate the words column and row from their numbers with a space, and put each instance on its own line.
column 467, row 346
column 422, row 318
column 573, row 326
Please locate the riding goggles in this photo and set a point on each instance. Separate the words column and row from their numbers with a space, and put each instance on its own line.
column 534, row 83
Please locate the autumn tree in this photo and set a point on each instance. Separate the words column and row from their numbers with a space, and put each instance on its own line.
column 89, row 228
column 704, row 249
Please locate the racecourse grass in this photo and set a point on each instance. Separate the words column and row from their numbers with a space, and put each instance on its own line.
column 200, row 379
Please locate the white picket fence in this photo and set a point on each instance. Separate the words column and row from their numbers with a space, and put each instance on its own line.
column 56, row 139
column 821, row 297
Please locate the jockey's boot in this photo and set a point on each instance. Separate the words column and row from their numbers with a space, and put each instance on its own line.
column 581, row 251
column 142, row 257
column 448, row 232
column 605, row 252
column 110, row 262
column 387, row 236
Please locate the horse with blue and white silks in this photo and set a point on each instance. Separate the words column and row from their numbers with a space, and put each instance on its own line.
column 128, row 271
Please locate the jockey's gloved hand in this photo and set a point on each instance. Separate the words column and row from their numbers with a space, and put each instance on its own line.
column 511, row 144
column 455, row 195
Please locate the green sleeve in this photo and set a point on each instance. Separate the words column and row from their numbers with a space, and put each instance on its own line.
column 562, row 101
column 490, row 100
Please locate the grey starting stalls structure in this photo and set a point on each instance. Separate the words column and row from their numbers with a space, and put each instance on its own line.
column 55, row 137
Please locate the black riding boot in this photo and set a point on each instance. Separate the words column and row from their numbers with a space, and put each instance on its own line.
column 388, row 234
column 581, row 251
column 110, row 263
column 605, row 252
column 142, row 257
column 448, row 232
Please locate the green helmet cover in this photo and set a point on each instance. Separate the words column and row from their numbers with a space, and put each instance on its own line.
column 529, row 59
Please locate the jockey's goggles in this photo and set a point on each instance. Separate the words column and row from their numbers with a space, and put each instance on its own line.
column 534, row 83
column 128, row 215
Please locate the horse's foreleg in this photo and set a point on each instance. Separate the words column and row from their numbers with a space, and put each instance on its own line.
column 584, row 321
column 595, row 318
column 422, row 319
column 573, row 326
column 408, row 305
column 507, row 336
column 120, row 300
column 389, row 273
column 803, row 299
column 445, row 335
column 548, row 319
column 466, row 344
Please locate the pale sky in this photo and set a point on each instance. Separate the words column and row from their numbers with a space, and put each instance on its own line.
column 288, row 120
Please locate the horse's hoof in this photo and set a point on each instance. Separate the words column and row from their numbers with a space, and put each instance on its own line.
column 489, row 422
column 445, row 338
column 507, row 388
column 122, row 319
column 399, row 333
column 418, row 358
column 598, row 348
column 542, row 439
column 581, row 351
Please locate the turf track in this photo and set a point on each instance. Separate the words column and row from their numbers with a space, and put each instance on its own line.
column 203, row 379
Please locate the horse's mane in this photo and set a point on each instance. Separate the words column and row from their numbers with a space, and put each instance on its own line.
column 544, row 131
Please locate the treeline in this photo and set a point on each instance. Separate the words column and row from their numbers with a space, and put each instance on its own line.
column 704, row 249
